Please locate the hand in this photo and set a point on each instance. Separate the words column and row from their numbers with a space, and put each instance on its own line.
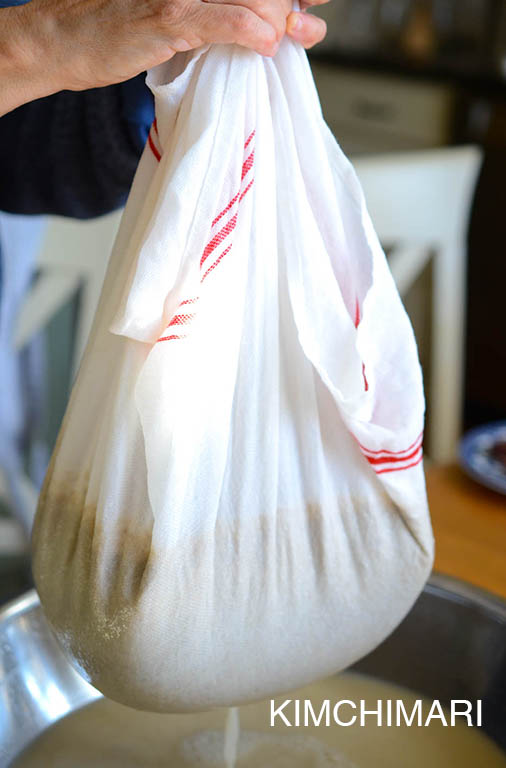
column 306, row 29
column 80, row 44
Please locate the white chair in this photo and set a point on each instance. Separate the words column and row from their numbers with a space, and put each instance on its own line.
column 420, row 203
column 73, row 257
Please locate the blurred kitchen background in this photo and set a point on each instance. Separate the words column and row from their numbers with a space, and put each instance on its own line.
column 415, row 93
column 403, row 75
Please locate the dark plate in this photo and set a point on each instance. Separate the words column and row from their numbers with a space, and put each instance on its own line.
column 477, row 456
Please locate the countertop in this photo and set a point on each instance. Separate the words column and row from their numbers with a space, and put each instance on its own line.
column 469, row 524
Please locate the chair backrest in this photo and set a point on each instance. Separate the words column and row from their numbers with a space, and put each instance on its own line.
column 73, row 256
column 423, row 196
column 422, row 201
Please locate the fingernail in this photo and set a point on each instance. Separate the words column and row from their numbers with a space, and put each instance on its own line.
column 294, row 23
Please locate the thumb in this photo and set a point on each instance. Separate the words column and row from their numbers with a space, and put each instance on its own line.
column 305, row 28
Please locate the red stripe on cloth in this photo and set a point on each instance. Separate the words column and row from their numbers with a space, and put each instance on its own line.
column 155, row 126
column 243, row 195
column 357, row 323
column 244, row 172
column 226, row 210
column 183, row 319
column 247, row 165
column 249, row 139
column 219, row 238
column 153, row 148
column 227, row 250
column 392, row 459
column 222, row 234
column 357, row 313
column 366, row 383
column 189, row 301
column 392, row 453
column 180, row 320
column 399, row 469
column 169, row 338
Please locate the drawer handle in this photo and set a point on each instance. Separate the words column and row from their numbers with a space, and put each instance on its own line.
column 373, row 110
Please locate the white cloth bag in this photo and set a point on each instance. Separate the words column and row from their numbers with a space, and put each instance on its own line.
column 236, row 503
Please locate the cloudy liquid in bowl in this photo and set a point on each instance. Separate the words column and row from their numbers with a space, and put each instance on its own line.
column 107, row 735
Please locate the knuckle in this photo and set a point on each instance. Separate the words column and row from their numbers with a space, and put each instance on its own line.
column 270, row 49
column 171, row 12
column 270, row 46
column 244, row 23
column 167, row 13
column 280, row 30
column 278, row 19
column 271, row 39
column 274, row 13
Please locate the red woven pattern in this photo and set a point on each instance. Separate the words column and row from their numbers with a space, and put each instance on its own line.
column 383, row 461
column 218, row 238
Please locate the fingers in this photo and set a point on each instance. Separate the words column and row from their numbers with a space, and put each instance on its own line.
column 219, row 22
column 306, row 29
column 274, row 12
column 308, row 3
column 257, row 24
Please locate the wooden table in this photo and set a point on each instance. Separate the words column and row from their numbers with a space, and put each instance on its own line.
column 470, row 528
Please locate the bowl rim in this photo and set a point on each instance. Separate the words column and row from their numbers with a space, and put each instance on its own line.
column 19, row 605
column 465, row 593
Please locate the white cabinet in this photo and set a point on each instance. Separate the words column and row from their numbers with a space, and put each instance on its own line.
column 383, row 113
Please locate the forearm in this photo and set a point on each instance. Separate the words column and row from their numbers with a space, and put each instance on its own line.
column 25, row 68
column 52, row 45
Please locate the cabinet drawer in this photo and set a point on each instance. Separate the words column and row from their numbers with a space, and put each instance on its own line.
column 413, row 111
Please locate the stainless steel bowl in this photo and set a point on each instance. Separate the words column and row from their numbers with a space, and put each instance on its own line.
column 451, row 646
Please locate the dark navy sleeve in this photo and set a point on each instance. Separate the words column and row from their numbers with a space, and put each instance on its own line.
column 73, row 153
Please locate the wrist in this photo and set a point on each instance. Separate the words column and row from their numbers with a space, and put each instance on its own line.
column 25, row 63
